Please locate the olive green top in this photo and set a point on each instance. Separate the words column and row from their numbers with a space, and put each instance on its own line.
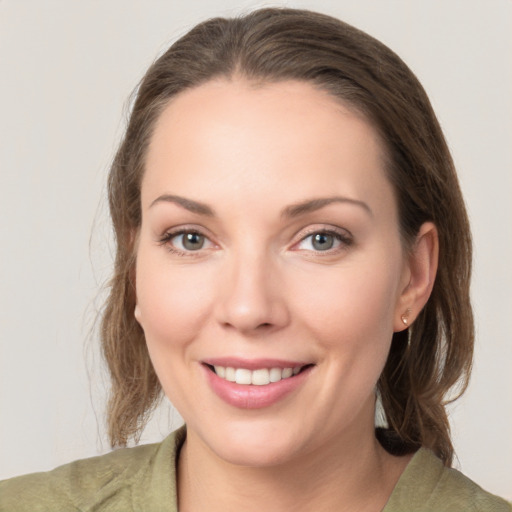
column 143, row 479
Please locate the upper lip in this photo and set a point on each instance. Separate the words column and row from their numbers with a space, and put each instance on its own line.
column 253, row 364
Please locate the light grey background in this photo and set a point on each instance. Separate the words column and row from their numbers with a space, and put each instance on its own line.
column 66, row 70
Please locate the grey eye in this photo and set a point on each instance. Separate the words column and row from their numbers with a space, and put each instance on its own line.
column 192, row 241
column 323, row 241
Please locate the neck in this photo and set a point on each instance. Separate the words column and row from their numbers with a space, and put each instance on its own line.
column 336, row 477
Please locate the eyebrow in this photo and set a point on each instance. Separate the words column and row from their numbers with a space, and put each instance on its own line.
column 188, row 204
column 293, row 210
column 312, row 205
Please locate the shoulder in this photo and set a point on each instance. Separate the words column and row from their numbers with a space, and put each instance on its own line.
column 455, row 488
column 427, row 486
column 73, row 486
column 111, row 480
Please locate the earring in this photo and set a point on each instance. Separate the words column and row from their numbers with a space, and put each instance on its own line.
column 405, row 316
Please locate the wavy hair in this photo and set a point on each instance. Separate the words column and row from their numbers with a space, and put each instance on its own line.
column 433, row 356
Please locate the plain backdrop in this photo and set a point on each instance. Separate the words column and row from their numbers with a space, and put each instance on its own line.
column 66, row 71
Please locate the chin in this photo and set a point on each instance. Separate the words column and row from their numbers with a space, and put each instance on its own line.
column 256, row 454
column 253, row 444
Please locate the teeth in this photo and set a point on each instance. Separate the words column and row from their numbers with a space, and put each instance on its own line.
column 220, row 371
column 287, row 372
column 242, row 376
column 260, row 377
column 230, row 374
column 276, row 374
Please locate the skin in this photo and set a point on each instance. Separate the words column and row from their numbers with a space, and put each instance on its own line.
column 260, row 288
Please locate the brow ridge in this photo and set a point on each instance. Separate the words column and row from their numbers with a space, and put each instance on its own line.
column 188, row 204
column 294, row 210
column 311, row 205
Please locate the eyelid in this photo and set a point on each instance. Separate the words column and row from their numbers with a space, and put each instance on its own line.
column 165, row 238
column 344, row 236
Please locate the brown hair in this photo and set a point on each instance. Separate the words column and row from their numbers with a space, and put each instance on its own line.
column 270, row 45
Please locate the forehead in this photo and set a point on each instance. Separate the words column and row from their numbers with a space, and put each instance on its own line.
column 286, row 136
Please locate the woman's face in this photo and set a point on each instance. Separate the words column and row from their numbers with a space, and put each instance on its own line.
column 269, row 247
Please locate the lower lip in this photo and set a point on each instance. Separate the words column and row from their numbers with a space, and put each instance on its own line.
column 249, row 396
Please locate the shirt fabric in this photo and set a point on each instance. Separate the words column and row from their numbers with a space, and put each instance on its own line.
column 143, row 479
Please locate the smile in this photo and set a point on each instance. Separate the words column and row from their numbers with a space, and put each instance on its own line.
column 258, row 377
column 255, row 384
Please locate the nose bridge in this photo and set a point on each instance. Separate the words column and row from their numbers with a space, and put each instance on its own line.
column 251, row 297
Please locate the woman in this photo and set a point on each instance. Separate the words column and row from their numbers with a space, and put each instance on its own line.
column 291, row 243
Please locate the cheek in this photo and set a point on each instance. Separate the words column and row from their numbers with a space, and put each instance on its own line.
column 173, row 300
column 353, row 298
column 173, row 303
column 350, row 311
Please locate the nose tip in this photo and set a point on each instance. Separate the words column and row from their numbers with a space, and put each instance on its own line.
column 249, row 319
column 251, row 300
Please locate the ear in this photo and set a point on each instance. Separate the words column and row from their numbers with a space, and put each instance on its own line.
column 419, row 274
column 137, row 314
column 134, row 242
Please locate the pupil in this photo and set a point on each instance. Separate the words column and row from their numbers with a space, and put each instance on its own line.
column 193, row 241
column 323, row 242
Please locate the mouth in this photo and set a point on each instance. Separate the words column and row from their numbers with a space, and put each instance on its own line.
column 255, row 384
column 258, row 377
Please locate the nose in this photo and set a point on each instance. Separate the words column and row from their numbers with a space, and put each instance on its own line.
column 252, row 298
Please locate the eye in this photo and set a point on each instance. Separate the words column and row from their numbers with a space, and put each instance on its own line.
column 322, row 241
column 190, row 241
column 186, row 241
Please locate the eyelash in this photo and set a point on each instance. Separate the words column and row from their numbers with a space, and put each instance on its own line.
column 165, row 240
column 344, row 238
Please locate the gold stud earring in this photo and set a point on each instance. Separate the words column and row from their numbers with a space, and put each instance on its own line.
column 405, row 316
